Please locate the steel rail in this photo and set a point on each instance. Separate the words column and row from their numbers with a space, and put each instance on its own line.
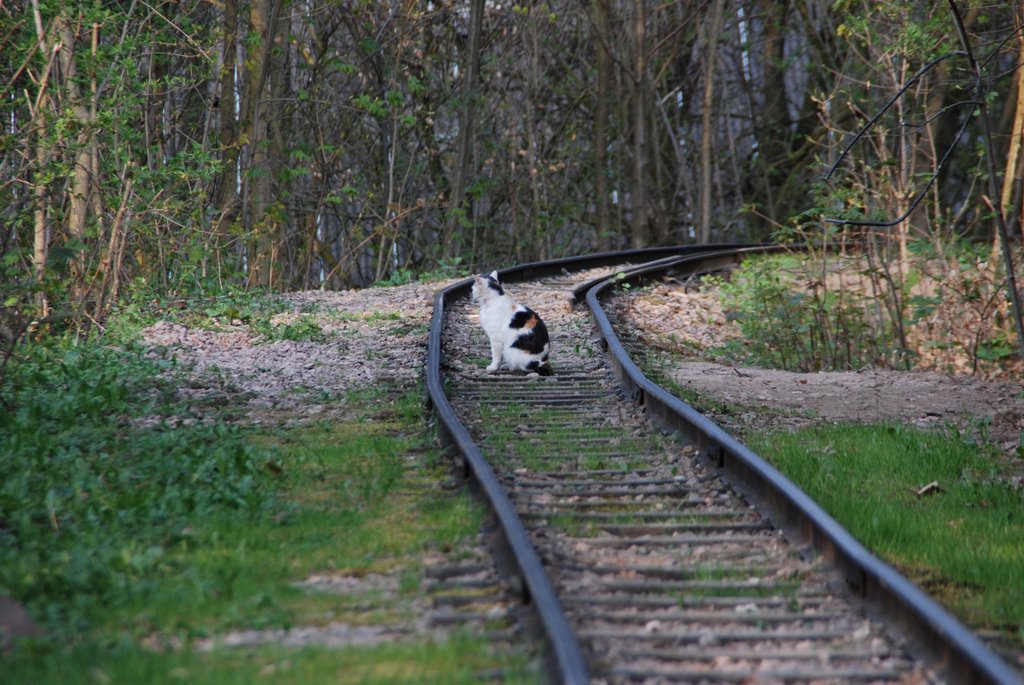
column 566, row 657
column 956, row 649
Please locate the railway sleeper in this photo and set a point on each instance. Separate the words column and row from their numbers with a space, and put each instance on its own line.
column 742, row 673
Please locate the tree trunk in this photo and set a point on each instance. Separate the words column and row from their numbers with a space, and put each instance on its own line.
column 640, row 209
column 533, row 152
column 990, row 165
column 227, row 193
column 40, row 230
column 110, row 263
column 601, row 37
column 772, row 138
column 467, row 114
column 81, row 183
column 1010, row 181
column 707, row 122
column 263, row 16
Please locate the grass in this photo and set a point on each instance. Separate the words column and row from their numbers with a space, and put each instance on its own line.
column 131, row 526
column 964, row 544
column 458, row 661
column 102, row 480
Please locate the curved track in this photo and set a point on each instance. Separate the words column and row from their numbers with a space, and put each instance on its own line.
column 650, row 544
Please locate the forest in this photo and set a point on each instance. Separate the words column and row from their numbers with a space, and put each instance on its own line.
column 185, row 148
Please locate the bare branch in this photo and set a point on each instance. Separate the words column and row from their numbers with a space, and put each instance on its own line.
column 868, row 126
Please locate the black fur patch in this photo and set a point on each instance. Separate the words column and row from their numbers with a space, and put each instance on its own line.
column 494, row 285
column 519, row 319
column 544, row 369
column 534, row 340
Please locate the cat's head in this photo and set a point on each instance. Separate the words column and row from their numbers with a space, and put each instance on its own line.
column 486, row 287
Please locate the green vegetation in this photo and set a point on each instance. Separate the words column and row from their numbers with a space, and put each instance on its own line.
column 789, row 326
column 963, row 542
column 447, row 269
column 132, row 525
column 103, row 477
column 458, row 661
column 267, row 316
column 941, row 306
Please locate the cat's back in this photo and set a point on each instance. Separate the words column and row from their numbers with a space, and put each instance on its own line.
column 526, row 320
column 495, row 312
column 531, row 335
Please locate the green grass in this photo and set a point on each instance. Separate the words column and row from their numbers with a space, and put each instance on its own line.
column 102, row 480
column 303, row 329
column 458, row 661
column 965, row 545
column 126, row 523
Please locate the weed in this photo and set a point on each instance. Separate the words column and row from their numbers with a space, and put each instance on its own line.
column 791, row 321
column 303, row 328
column 458, row 660
column 446, row 269
column 382, row 316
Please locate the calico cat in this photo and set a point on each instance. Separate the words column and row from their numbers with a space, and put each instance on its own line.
column 518, row 336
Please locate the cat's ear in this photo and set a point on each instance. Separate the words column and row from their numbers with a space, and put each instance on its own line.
column 494, row 277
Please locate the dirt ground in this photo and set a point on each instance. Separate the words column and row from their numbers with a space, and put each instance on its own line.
column 379, row 334
column 988, row 408
column 371, row 336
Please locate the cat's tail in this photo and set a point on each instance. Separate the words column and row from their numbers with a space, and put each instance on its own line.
column 540, row 368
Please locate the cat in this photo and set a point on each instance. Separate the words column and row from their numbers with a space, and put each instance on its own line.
column 518, row 337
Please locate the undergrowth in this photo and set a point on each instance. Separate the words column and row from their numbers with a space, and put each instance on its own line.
column 943, row 306
column 259, row 312
column 448, row 268
column 790, row 321
column 101, row 477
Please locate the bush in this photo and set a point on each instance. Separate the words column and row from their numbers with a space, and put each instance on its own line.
column 795, row 322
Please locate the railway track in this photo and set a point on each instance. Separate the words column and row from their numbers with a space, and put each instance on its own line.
column 650, row 545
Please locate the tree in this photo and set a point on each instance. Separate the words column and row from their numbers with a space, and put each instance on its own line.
column 461, row 167
column 192, row 146
column 707, row 121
